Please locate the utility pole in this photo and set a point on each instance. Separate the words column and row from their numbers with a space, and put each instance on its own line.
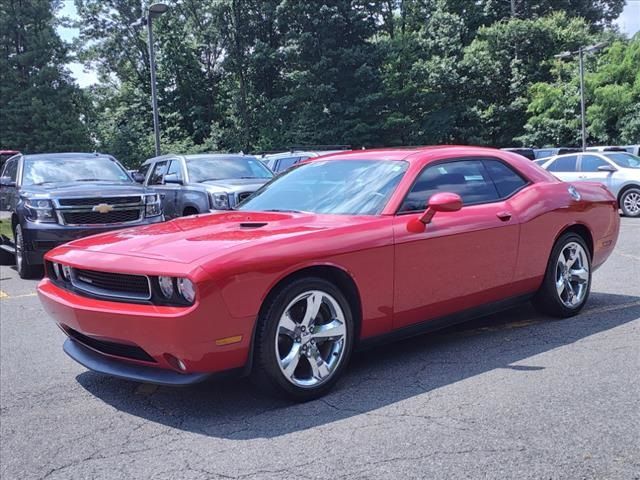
column 154, row 10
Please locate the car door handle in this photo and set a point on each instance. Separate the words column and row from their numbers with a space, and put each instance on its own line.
column 504, row 216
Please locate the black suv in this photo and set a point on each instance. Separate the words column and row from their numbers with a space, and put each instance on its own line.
column 58, row 197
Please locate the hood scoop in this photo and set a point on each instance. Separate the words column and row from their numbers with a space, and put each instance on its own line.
column 252, row 224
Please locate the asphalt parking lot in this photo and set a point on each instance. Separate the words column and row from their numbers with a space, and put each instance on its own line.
column 515, row 395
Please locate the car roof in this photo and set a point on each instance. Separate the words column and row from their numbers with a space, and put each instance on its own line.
column 410, row 154
column 66, row 155
column 198, row 156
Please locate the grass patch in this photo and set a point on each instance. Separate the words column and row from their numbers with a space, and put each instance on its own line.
column 5, row 228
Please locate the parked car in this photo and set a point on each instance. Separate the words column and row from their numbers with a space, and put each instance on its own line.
column 549, row 151
column 618, row 171
column 525, row 152
column 279, row 162
column 6, row 155
column 57, row 197
column 191, row 184
column 606, row 148
column 336, row 254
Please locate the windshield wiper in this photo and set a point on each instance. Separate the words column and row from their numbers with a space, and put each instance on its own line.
column 210, row 180
column 42, row 183
column 283, row 210
column 90, row 180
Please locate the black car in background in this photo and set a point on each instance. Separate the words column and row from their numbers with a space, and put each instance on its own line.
column 58, row 197
column 525, row 152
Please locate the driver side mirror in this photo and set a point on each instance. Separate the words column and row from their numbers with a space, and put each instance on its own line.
column 7, row 182
column 441, row 202
column 172, row 178
column 607, row 168
column 138, row 177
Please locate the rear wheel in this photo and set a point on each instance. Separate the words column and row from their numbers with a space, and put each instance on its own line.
column 25, row 270
column 189, row 211
column 630, row 202
column 304, row 340
column 567, row 281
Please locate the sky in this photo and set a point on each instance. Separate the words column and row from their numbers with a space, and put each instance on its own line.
column 629, row 23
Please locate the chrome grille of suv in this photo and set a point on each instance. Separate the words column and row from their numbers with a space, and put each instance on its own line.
column 113, row 285
column 100, row 210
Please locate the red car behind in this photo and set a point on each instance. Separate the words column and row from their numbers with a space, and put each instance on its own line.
column 339, row 252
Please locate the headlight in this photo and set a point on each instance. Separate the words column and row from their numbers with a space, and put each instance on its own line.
column 219, row 201
column 56, row 270
column 186, row 289
column 166, row 286
column 40, row 210
column 152, row 206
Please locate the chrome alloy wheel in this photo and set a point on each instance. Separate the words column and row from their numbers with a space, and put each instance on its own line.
column 311, row 338
column 572, row 275
column 632, row 203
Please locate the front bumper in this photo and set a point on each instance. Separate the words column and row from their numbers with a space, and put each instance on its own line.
column 141, row 342
column 41, row 237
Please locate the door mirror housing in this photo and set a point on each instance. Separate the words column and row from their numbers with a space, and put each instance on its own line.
column 441, row 202
column 172, row 178
column 607, row 168
column 138, row 177
column 7, row 182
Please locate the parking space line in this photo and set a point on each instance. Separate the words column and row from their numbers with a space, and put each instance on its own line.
column 5, row 296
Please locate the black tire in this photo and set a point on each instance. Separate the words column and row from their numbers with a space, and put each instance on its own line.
column 189, row 211
column 25, row 270
column 547, row 300
column 630, row 202
column 267, row 373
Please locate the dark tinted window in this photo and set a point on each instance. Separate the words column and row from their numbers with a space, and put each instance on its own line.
column 564, row 164
column 51, row 169
column 590, row 163
column 158, row 172
column 284, row 163
column 468, row 178
column 506, row 180
column 11, row 169
column 204, row 169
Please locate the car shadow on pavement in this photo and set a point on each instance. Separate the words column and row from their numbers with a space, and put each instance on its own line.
column 376, row 378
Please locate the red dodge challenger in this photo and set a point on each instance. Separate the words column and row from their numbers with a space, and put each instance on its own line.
column 340, row 252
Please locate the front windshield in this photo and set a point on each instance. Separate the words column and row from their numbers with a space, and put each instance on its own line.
column 204, row 169
column 88, row 169
column 341, row 187
column 624, row 160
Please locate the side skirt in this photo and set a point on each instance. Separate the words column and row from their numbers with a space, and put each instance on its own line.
column 442, row 322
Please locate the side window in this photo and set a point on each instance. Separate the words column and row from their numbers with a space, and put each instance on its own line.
column 590, row 163
column 11, row 169
column 506, row 180
column 144, row 169
column 285, row 163
column 174, row 168
column 157, row 174
column 467, row 178
column 564, row 164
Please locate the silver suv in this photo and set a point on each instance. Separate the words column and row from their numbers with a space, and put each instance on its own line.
column 618, row 171
column 191, row 184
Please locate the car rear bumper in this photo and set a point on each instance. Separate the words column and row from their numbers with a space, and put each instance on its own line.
column 41, row 237
column 148, row 343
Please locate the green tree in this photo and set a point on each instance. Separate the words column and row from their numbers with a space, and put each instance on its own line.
column 42, row 109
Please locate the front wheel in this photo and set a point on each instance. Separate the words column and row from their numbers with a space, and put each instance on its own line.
column 567, row 281
column 630, row 202
column 25, row 270
column 304, row 340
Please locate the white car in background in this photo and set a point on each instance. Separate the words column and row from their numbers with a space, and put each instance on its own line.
column 618, row 171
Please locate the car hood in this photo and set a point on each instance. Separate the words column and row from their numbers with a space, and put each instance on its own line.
column 235, row 184
column 79, row 189
column 187, row 239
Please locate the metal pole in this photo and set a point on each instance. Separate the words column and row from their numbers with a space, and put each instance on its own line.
column 154, row 94
column 582, row 112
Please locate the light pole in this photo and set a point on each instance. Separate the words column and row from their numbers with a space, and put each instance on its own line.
column 581, row 51
column 154, row 10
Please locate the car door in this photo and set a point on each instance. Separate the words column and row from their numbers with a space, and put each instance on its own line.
column 462, row 259
column 589, row 165
column 156, row 182
column 173, row 191
column 8, row 193
column 565, row 168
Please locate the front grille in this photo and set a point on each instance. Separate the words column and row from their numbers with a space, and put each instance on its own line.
column 83, row 202
column 110, row 348
column 243, row 195
column 112, row 284
column 97, row 218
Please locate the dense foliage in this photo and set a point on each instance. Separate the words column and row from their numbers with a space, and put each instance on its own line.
column 256, row 75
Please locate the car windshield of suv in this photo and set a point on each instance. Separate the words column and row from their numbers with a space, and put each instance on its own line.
column 89, row 169
column 203, row 169
column 624, row 160
column 341, row 187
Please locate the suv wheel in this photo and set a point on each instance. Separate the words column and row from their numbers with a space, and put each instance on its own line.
column 630, row 202
column 25, row 270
